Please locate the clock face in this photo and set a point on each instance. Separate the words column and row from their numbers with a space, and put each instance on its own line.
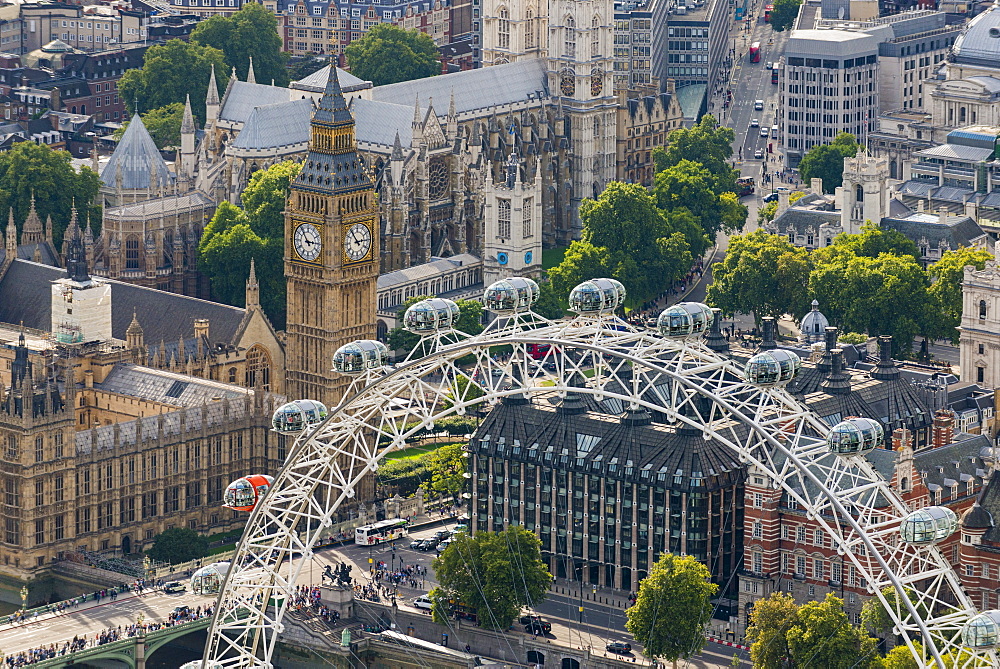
column 502, row 258
column 308, row 242
column 357, row 242
column 596, row 81
column 527, row 257
column 567, row 84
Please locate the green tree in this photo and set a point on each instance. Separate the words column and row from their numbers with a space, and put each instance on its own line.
column 823, row 636
column 767, row 213
column 883, row 295
column 852, row 338
column 900, row 657
column 688, row 185
column 946, row 276
column 447, row 466
column 872, row 241
column 178, row 544
column 163, row 124
column 549, row 303
column 495, row 573
column 707, row 143
column 826, row 161
column 770, row 620
column 876, row 619
column 29, row 169
column 672, row 608
column 170, row 73
column 252, row 32
column 387, row 54
column 265, row 196
column 784, row 13
column 762, row 274
column 626, row 237
column 469, row 321
column 300, row 67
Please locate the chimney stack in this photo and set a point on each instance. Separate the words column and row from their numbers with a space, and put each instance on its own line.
column 943, row 432
column 715, row 340
column 816, row 185
column 836, row 382
column 886, row 368
column 783, row 203
column 830, row 340
column 901, row 438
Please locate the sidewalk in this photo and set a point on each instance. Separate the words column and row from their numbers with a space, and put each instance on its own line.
column 89, row 604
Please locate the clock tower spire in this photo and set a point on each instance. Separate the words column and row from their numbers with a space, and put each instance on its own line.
column 331, row 252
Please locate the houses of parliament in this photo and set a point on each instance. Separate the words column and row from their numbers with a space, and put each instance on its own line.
column 126, row 410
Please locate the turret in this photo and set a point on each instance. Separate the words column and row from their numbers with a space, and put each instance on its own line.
column 253, row 288
column 211, row 101
column 251, row 79
column 11, row 236
column 32, row 232
column 417, row 125
column 187, row 161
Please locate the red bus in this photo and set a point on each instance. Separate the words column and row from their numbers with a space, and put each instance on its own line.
column 538, row 351
column 767, row 13
column 755, row 52
column 774, row 74
column 744, row 186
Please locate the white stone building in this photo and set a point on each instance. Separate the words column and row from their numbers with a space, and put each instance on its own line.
column 979, row 345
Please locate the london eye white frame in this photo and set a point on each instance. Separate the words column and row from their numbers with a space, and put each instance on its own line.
column 765, row 428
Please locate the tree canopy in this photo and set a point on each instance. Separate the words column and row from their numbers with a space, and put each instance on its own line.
column 946, row 276
column 163, row 124
column 689, row 186
column 252, row 32
column 762, row 274
column 877, row 620
column 29, row 168
column 707, row 143
column 170, row 73
column 626, row 237
column 494, row 573
column 822, row 636
column 387, row 54
column 235, row 235
column 770, row 620
column 178, row 544
column 784, row 14
column 672, row 608
column 826, row 161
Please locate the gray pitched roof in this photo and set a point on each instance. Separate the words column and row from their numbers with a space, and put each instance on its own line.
column 426, row 270
column 26, row 294
column 378, row 122
column 316, row 82
column 956, row 151
column 958, row 230
column 242, row 97
column 160, row 205
column 166, row 387
column 136, row 154
column 473, row 89
column 801, row 220
column 277, row 125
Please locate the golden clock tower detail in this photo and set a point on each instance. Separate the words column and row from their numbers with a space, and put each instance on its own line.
column 331, row 253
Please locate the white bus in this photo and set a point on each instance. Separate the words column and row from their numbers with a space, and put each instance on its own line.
column 383, row 530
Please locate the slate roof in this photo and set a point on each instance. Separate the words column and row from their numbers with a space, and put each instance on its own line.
column 25, row 296
column 278, row 125
column 316, row 81
column 956, row 152
column 801, row 220
column 426, row 270
column 160, row 205
column 166, row 387
column 136, row 153
column 976, row 45
column 958, row 230
column 989, row 501
column 242, row 97
column 602, row 443
column 378, row 122
column 956, row 462
column 473, row 89
column 917, row 187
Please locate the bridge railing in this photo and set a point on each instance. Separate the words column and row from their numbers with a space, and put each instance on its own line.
column 66, row 604
column 125, row 646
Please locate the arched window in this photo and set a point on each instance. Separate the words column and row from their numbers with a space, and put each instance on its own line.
column 859, row 194
column 982, row 309
column 595, row 38
column 569, row 38
column 503, row 27
column 258, row 368
column 232, row 375
column 904, row 484
column 132, row 252
column 961, row 114
column 529, row 30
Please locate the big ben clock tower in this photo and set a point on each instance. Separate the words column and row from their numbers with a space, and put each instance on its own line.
column 331, row 253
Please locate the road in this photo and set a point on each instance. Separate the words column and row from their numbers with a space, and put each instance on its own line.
column 601, row 622
column 90, row 619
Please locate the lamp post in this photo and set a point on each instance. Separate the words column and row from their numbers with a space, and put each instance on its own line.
column 24, row 597
column 146, row 563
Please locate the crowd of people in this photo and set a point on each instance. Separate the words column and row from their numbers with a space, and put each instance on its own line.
column 307, row 597
column 105, row 636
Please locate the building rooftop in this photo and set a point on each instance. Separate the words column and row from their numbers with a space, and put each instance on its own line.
column 276, row 125
column 427, row 270
column 157, row 385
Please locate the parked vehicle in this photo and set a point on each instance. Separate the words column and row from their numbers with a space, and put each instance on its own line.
column 423, row 602
column 173, row 586
column 619, row 647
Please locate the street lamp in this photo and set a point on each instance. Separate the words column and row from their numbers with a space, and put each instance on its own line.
column 146, row 562
column 24, row 597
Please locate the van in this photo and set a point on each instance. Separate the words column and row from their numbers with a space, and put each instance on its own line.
column 774, row 132
column 758, row 104
column 423, row 602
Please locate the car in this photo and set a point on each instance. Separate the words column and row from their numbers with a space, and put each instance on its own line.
column 759, row 153
column 782, row 189
column 415, row 544
column 182, row 610
column 619, row 647
column 758, row 104
column 173, row 586
column 537, row 625
column 769, row 66
column 428, row 544
column 461, row 527
column 441, row 535
column 764, row 131
column 443, row 545
column 773, row 197
column 754, row 123
column 423, row 602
